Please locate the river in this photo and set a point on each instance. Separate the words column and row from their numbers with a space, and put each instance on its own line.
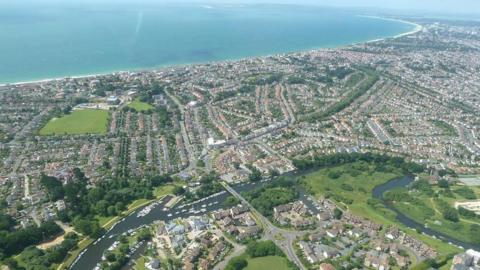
column 404, row 181
column 93, row 254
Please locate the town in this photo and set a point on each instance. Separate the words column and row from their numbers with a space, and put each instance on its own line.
column 81, row 153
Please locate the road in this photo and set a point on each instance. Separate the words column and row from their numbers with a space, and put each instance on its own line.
column 284, row 239
column 188, row 147
column 237, row 251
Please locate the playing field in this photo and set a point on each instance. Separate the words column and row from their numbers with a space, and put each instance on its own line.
column 78, row 122
column 269, row 262
column 139, row 106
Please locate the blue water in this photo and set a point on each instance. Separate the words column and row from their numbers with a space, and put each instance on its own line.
column 39, row 41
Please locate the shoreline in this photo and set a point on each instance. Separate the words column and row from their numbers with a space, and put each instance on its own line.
column 417, row 28
column 162, row 67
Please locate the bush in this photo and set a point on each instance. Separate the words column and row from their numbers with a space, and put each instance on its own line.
column 466, row 192
column 443, row 183
column 466, row 213
column 450, row 214
column 263, row 248
column 337, row 213
column 236, row 263
column 334, row 174
column 346, row 187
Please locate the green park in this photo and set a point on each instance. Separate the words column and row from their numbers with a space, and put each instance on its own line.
column 140, row 106
column 88, row 121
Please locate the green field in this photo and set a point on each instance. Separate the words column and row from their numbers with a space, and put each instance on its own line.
column 269, row 262
column 139, row 106
column 78, row 122
column 353, row 190
column 427, row 209
column 354, row 183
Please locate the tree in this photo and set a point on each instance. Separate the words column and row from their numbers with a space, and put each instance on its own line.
column 337, row 213
column 256, row 175
column 466, row 213
column 466, row 192
column 236, row 263
column 200, row 163
column 334, row 174
column 119, row 206
column 262, row 249
column 67, row 109
column 443, row 184
column 144, row 234
column 110, row 256
column 111, row 211
column 95, row 194
column 178, row 190
column 53, row 186
column 273, row 173
column 101, row 207
column 88, row 227
column 6, row 222
column 450, row 214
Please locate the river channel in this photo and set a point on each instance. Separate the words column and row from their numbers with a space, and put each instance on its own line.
column 404, row 181
column 91, row 256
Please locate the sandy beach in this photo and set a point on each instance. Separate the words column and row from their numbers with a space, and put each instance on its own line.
column 417, row 28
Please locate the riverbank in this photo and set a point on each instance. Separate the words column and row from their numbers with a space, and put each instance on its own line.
column 357, row 193
column 107, row 225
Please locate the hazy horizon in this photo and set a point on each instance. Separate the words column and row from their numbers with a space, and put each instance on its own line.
column 427, row 7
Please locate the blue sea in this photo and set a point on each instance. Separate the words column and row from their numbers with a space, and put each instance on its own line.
column 40, row 40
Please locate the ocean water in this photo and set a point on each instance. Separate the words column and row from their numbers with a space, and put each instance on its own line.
column 40, row 41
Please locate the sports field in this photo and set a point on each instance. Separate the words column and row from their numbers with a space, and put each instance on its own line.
column 269, row 262
column 139, row 106
column 78, row 122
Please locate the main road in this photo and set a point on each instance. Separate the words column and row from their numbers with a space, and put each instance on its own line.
column 282, row 238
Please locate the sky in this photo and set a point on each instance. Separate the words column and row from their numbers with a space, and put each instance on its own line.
column 444, row 6
column 430, row 7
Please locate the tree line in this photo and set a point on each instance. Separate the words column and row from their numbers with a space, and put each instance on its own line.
column 321, row 161
column 107, row 198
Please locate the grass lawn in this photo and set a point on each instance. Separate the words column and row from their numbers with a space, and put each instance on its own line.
column 269, row 262
column 434, row 218
column 163, row 190
column 140, row 264
column 103, row 220
column 78, row 122
column 74, row 254
column 320, row 182
column 139, row 106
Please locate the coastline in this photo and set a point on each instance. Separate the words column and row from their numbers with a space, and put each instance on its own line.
column 417, row 26
column 162, row 67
